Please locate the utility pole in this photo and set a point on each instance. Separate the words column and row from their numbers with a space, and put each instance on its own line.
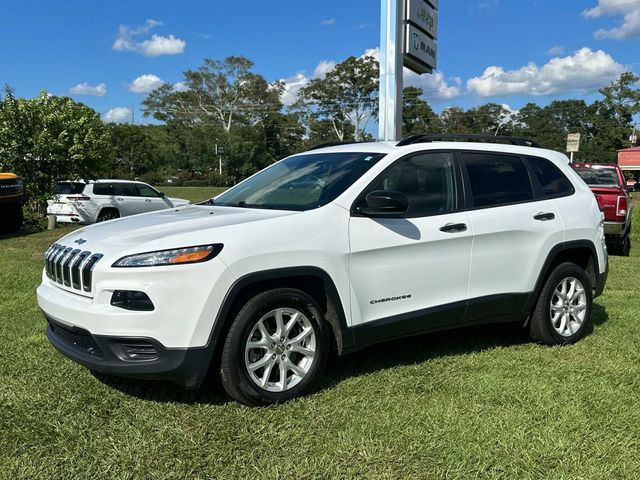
column 219, row 153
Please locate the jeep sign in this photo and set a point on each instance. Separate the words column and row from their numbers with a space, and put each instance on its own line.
column 421, row 31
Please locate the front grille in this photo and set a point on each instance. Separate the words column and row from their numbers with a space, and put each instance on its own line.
column 79, row 339
column 70, row 267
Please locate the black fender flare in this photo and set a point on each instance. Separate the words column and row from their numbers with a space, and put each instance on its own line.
column 222, row 320
column 548, row 265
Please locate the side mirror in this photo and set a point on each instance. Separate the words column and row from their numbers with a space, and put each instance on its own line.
column 384, row 203
column 162, row 195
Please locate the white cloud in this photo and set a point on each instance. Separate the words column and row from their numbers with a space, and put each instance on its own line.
column 145, row 83
column 324, row 67
column 155, row 46
column 180, row 87
column 435, row 86
column 555, row 51
column 117, row 115
column 293, row 84
column 85, row 89
column 292, row 87
column 585, row 69
column 630, row 26
column 329, row 22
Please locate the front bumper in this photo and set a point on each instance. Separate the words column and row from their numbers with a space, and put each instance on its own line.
column 136, row 357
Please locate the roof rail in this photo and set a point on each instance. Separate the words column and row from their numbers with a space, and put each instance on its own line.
column 427, row 138
column 332, row 144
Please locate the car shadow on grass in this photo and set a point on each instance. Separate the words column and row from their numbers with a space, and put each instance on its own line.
column 382, row 356
column 419, row 349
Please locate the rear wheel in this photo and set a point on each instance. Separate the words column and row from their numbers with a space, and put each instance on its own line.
column 275, row 347
column 563, row 311
column 108, row 214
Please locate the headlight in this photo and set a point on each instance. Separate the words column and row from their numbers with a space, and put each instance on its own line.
column 178, row 256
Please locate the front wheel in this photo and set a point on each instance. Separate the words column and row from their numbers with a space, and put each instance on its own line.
column 562, row 314
column 275, row 347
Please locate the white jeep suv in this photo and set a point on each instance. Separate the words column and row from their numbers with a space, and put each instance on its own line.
column 331, row 250
column 102, row 200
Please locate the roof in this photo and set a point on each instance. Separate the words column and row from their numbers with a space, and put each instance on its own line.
column 632, row 149
column 6, row 176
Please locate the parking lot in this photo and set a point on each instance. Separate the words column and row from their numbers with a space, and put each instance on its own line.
column 479, row 402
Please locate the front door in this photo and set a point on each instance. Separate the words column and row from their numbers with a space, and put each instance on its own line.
column 410, row 274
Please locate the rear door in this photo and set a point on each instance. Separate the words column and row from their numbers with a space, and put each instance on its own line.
column 514, row 225
column 410, row 273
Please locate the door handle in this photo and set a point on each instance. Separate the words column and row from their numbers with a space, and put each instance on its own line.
column 147, row 200
column 543, row 217
column 119, row 199
column 454, row 228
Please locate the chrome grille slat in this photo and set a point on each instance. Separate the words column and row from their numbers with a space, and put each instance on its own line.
column 71, row 268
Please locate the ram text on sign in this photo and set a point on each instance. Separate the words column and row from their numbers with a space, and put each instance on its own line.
column 420, row 50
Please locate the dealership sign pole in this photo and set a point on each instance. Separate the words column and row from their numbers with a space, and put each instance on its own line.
column 408, row 34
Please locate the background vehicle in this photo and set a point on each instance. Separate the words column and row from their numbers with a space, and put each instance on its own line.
column 11, row 198
column 101, row 200
column 330, row 250
column 610, row 188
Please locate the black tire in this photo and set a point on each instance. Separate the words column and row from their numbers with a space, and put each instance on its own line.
column 541, row 328
column 233, row 371
column 108, row 214
column 13, row 220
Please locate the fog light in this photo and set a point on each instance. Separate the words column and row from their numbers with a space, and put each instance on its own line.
column 132, row 300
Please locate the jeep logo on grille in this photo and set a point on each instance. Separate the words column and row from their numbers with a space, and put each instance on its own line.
column 80, row 241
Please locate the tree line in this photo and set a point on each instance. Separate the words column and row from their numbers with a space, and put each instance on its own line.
column 225, row 105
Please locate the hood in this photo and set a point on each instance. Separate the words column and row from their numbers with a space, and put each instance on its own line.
column 178, row 202
column 186, row 224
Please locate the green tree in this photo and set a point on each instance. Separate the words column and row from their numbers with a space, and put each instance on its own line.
column 49, row 138
column 220, row 91
column 346, row 96
column 417, row 116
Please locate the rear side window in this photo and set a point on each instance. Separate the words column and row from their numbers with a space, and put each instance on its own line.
column 102, row 189
column 69, row 188
column 125, row 189
column 497, row 179
column 551, row 179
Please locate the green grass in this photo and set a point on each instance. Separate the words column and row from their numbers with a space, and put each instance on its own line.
column 474, row 403
column 193, row 194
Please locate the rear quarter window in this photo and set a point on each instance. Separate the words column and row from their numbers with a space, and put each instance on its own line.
column 552, row 181
column 103, row 189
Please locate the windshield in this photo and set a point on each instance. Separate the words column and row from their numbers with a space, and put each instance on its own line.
column 68, row 188
column 302, row 182
column 599, row 176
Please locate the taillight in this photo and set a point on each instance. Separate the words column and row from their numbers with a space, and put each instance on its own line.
column 79, row 198
column 600, row 202
column 622, row 206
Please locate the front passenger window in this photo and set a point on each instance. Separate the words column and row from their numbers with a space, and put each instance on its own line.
column 427, row 181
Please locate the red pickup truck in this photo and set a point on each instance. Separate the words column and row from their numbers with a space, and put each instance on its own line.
column 610, row 188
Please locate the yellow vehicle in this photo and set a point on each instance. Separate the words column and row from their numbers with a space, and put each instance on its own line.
column 11, row 198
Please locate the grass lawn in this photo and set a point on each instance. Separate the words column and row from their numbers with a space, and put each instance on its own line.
column 474, row 403
column 193, row 194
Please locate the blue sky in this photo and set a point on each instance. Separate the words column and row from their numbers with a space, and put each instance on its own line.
column 507, row 51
